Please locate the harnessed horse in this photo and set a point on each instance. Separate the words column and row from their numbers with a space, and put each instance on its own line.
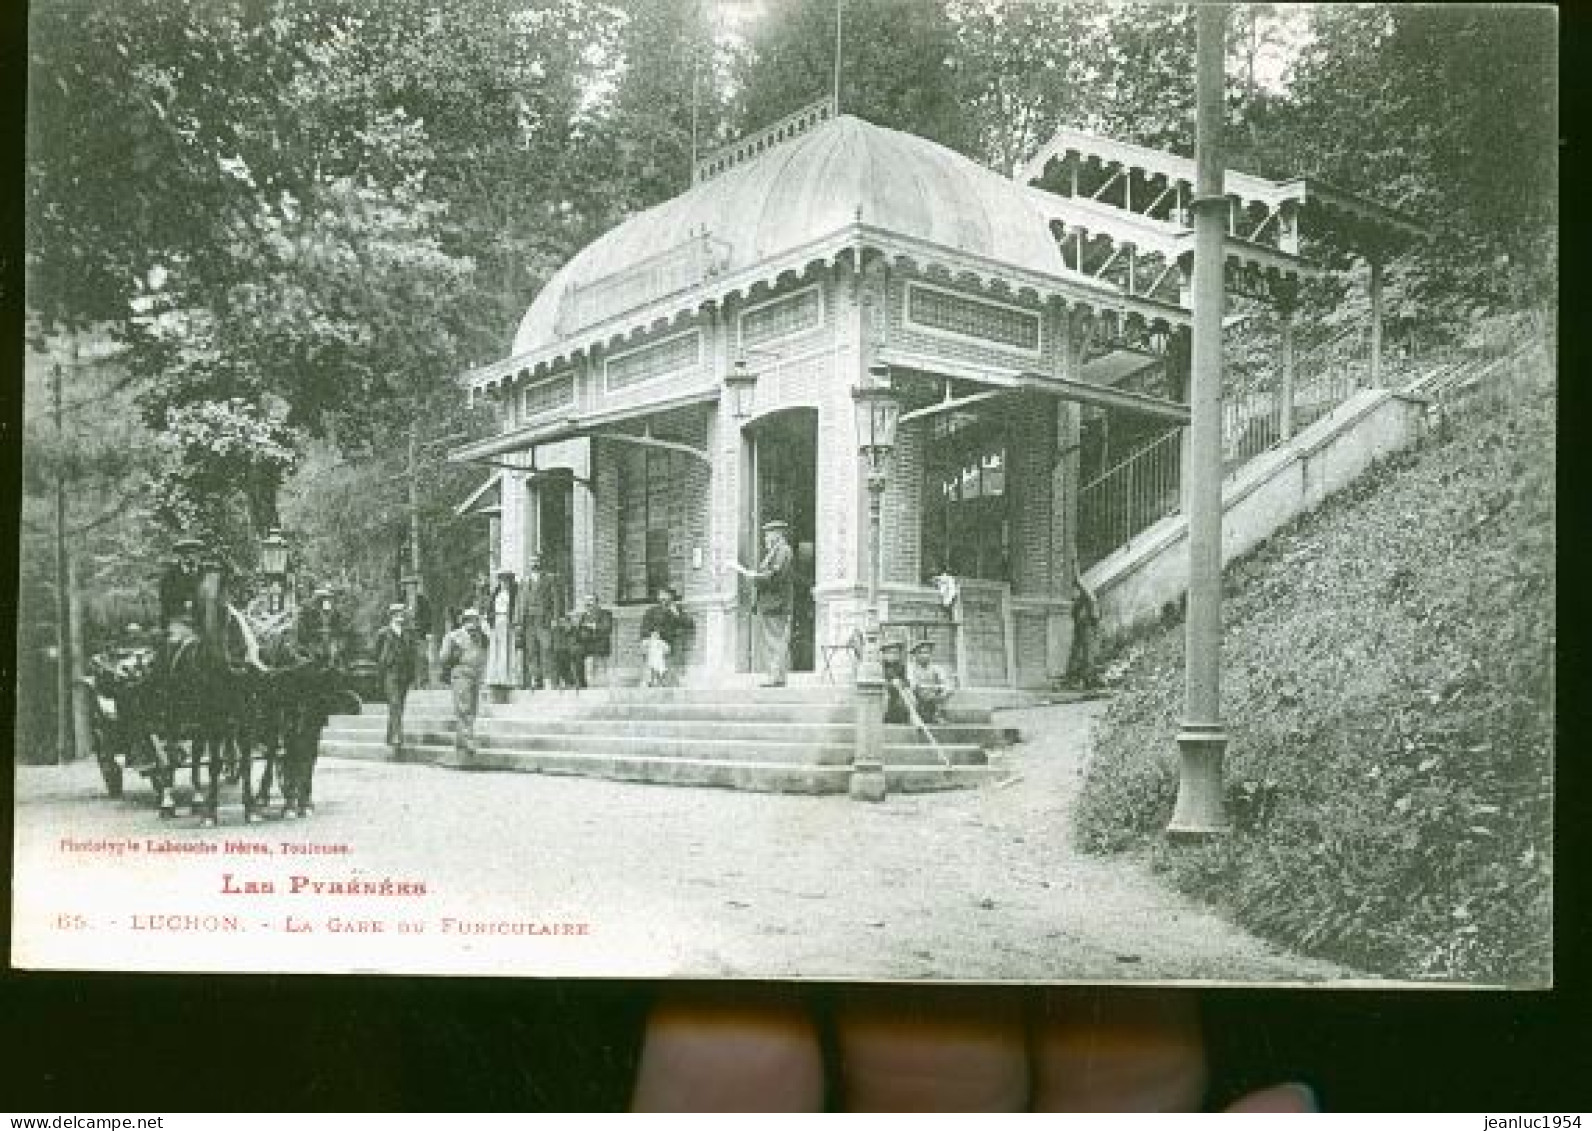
column 290, row 697
column 205, row 691
column 225, row 695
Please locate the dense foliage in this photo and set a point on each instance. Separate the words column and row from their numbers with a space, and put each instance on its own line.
column 317, row 213
column 1387, row 682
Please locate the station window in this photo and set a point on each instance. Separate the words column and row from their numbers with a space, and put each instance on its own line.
column 966, row 500
column 652, row 502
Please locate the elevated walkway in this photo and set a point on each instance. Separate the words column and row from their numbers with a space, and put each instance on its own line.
column 1142, row 577
column 792, row 739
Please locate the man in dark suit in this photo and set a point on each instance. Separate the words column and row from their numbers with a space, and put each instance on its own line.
column 396, row 660
column 541, row 603
column 776, row 597
column 321, row 629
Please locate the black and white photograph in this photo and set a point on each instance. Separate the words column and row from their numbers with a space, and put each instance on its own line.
column 951, row 491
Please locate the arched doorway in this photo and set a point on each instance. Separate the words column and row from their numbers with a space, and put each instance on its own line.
column 783, row 448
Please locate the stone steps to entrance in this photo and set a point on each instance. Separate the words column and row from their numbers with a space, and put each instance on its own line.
column 731, row 773
column 796, row 739
column 722, row 710
column 371, row 727
column 775, row 750
column 975, row 700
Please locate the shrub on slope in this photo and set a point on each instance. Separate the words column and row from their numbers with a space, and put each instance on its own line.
column 1387, row 685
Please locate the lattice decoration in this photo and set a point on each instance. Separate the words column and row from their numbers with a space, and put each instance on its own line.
column 547, row 396
column 660, row 359
column 782, row 317
column 949, row 313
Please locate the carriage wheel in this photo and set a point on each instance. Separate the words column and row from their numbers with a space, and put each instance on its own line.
column 101, row 736
column 110, row 771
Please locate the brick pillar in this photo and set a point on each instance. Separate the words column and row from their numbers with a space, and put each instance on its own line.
column 903, row 508
column 583, row 518
column 605, row 540
column 719, row 630
column 1027, row 511
column 842, row 498
column 1064, row 525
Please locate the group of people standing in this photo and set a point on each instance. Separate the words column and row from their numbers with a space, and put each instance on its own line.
column 526, row 637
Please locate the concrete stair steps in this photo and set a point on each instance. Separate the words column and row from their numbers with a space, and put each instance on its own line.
column 969, row 698
column 793, row 739
column 650, row 695
column 674, row 729
column 771, row 777
column 706, row 750
column 769, row 714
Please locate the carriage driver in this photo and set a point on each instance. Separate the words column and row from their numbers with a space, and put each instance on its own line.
column 179, row 590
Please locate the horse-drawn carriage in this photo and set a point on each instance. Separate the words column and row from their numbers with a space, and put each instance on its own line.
column 241, row 689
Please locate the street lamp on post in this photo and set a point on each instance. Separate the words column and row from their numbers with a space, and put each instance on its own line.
column 741, row 385
column 1200, row 812
column 273, row 564
column 877, row 412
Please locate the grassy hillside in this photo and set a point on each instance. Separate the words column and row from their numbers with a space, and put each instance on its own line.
column 1387, row 684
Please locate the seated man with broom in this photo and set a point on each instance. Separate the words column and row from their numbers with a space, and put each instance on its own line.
column 928, row 687
column 915, row 693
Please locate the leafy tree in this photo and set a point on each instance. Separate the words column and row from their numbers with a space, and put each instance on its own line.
column 900, row 66
column 1140, row 77
column 210, row 452
column 1023, row 68
column 1447, row 113
column 668, row 93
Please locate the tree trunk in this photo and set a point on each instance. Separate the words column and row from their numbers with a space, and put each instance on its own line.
column 64, row 751
column 82, row 727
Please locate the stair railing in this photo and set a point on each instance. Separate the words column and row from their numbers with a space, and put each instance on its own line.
column 1126, row 499
column 1146, row 486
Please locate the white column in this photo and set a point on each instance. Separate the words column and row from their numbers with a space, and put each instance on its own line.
column 512, row 531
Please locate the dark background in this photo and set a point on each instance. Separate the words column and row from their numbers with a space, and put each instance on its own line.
column 106, row 1043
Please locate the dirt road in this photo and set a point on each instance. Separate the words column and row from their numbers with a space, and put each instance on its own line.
column 551, row 875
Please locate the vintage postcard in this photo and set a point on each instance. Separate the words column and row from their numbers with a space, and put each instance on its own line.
column 790, row 489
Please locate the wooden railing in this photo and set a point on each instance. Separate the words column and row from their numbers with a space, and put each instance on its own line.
column 744, row 149
column 1125, row 500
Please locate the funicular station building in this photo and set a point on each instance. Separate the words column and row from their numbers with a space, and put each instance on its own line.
column 689, row 376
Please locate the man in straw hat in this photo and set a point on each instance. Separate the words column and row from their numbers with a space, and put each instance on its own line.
column 463, row 665
column 776, row 597
column 930, row 688
column 395, row 660
column 179, row 589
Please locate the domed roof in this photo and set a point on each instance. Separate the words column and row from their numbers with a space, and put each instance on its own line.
column 842, row 172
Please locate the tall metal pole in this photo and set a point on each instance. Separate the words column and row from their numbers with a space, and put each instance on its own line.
column 867, row 775
column 1285, row 400
column 63, row 642
column 1202, row 740
column 414, row 503
column 82, row 722
column 1374, row 378
column 840, row 6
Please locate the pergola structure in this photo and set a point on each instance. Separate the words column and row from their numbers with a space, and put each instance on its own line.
column 1121, row 212
column 689, row 375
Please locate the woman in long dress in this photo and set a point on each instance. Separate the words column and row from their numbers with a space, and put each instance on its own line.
column 500, row 659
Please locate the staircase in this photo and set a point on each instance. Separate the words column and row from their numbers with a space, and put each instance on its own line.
column 787, row 740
